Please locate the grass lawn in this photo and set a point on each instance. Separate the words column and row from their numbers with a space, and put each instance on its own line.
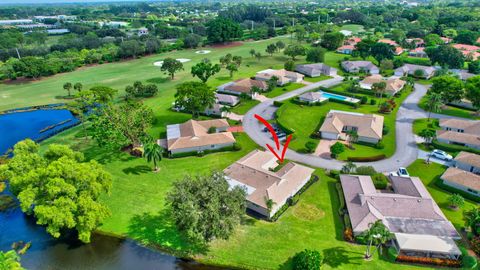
column 280, row 90
column 423, row 123
column 355, row 28
column 316, row 79
column 306, row 120
column 430, row 173
column 450, row 110
column 245, row 105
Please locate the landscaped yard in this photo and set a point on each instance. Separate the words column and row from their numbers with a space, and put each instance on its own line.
column 306, row 120
column 280, row 90
column 355, row 28
column 424, row 123
column 316, row 79
column 245, row 105
column 450, row 110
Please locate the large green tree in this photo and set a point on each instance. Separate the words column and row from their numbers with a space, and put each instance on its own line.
column 331, row 41
column 382, row 51
column 223, row 29
column 446, row 55
column 451, row 88
column 472, row 91
column 316, row 55
column 434, row 103
column 472, row 220
column 59, row 187
column 194, row 97
column 376, row 236
column 294, row 50
column 364, row 48
column 205, row 207
column 118, row 125
column 171, row 66
column 10, row 260
column 204, row 70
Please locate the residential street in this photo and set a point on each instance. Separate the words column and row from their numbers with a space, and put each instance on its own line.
column 406, row 150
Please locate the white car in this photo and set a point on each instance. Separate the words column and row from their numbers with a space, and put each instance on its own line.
column 441, row 155
column 402, row 172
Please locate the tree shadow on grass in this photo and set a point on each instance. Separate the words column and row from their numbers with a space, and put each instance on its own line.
column 137, row 170
column 335, row 208
column 158, row 80
column 335, row 257
column 287, row 265
column 160, row 231
column 224, row 78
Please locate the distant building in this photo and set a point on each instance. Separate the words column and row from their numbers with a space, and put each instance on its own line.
column 243, row 86
column 460, row 132
column 360, row 66
column 393, row 85
column 462, row 180
column 16, row 22
column 410, row 69
column 57, row 31
column 346, row 49
column 418, row 52
column 227, row 99
column 316, row 70
column 142, row 31
column 310, row 97
column 284, row 76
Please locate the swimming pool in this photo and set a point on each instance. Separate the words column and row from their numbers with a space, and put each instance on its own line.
column 326, row 95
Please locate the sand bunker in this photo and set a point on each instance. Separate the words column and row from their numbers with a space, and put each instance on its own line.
column 203, row 52
column 181, row 60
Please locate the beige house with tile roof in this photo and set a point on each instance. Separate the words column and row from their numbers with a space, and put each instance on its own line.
column 393, row 85
column 462, row 180
column 284, row 76
column 460, row 132
column 242, row 86
column 409, row 213
column 369, row 127
column 254, row 173
column 467, row 161
column 194, row 136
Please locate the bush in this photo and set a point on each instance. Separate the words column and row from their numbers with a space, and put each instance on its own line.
column 364, row 100
column 277, row 103
column 380, row 181
column 310, row 146
column 335, row 174
column 336, row 149
column 385, row 130
column 392, row 253
column 367, row 159
column 366, row 170
column 307, row 260
column 380, row 145
column 469, row 262
column 237, row 147
column 373, row 101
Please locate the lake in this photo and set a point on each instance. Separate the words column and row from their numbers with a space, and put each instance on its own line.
column 104, row 252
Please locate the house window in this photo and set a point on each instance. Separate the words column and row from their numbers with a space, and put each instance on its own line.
column 472, row 191
column 461, row 130
column 212, row 146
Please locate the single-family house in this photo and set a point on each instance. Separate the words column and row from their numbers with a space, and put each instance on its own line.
column 393, row 85
column 316, row 70
column 352, row 41
column 418, row 52
column 264, row 186
column 388, row 41
column 243, row 86
column 310, row 97
column 410, row 69
column 464, row 103
column 462, row 180
column 398, row 50
column 420, row 228
column 417, row 42
column 467, row 161
column 360, row 66
column 346, row 49
column 142, row 31
column 227, row 99
column 284, row 76
column 195, row 136
column 460, row 132
column 466, row 47
column 215, row 110
column 369, row 127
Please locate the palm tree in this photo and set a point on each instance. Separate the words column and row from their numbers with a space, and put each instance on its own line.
column 472, row 220
column 270, row 203
column 226, row 109
column 68, row 86
column 153, row 152
column 379, row 88
column 434, row 103
column 352, row 136
column 376, row 235
column 427, row 134
column 10, row 260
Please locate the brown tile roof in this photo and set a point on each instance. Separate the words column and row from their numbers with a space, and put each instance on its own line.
column 245, row 85
column 469, row 126
column 368, row 125
column 195, row 133
column 393, row 85
column 365, row 205
column 253, row 170
column 461, row 177
column 282, row 74
column 468, row 158
column 458, row 137
column 466, row 47
column 388, row 41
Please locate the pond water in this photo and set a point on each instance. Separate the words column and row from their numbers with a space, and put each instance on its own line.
column 104, row 252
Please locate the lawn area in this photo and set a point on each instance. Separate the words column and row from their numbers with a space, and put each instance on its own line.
column 450, row 110
column 306, row 120
column 430, row 173
column 280, row 90
column 423, row 123
column 245, row 105
column 316, row 79
column 355, row 28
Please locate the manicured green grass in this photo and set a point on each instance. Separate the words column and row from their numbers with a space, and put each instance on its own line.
column 424, row 123
column 450, row 110
column 317, row 79
column 314, row 223
column 280, row 90
column 355, row 28
column 430, row 173
column 306, row 120
column 245, row 105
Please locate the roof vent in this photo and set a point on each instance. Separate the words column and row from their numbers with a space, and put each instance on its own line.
column 419, row 200
column 395, row 199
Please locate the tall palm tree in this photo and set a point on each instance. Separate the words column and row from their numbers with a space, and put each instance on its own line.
column 472, row 220
column 153, row 152
column 376, row 235
column 434, row 103
column 352, row 136
column 10, row 260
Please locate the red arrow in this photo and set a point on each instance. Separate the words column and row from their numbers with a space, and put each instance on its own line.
column 275, row 138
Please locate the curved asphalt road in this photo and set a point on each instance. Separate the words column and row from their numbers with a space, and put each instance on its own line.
column 406, row 147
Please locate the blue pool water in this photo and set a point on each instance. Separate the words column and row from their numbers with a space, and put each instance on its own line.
column 333, row 96
column 18, row 126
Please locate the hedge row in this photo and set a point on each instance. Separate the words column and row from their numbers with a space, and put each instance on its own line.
column 453, row 148
column 234, row 147
column 367, row 159
column 285, row 128
column 342, row 93
column 297, row 101
column 355, row 105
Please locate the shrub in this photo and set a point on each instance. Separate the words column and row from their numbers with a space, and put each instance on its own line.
column 373, row 101
column 307, row 260
column 348, row 235
column 392, row 253
column 310, row 146
column 386, row 130
column 237, row 147
column 336, row 149
column 475, row 244
column 364, row 100
column 469, row 262
column 380, row 181
column 277, row 103
column 455, row 201
column 366, row 170
column 335, row 174
column 380, row 145
column 423, row 260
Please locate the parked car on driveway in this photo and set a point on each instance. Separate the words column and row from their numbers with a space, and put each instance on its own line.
column 440, row 154
column 402, row 172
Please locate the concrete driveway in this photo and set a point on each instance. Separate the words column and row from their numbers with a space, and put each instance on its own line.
column 424, row 155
